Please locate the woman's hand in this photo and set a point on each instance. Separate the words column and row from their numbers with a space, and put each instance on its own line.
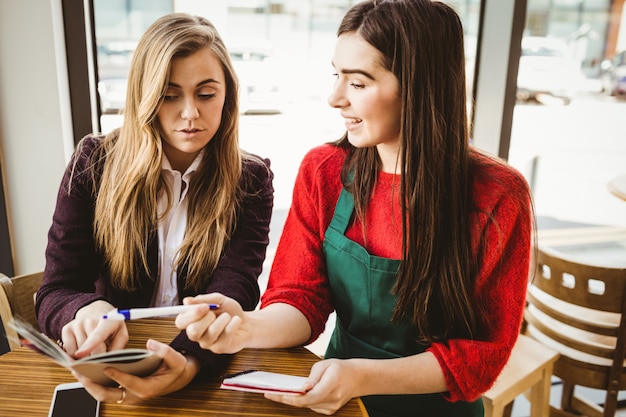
column 176, row 372
column 334, row 382
column 224, row 330
column 88, row 333
column 330, row 385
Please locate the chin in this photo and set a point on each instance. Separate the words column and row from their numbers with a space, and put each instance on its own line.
column 359, row 142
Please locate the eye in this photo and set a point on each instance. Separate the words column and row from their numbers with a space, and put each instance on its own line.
column 206, row 96
column 357, row 86
column 170, row 95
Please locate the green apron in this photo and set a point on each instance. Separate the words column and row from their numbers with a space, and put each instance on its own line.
column 361, row 287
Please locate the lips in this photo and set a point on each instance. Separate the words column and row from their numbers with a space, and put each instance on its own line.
column 190, row 133
column 351, row 123
column 351, row 120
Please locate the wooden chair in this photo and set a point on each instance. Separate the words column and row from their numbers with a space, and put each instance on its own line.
column 529, row 369
column 8, row 336
column 579, row 310
column 20, row 292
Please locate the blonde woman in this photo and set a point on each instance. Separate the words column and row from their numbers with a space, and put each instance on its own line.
column 166, row 207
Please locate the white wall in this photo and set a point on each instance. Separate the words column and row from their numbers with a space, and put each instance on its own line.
column 31, row 125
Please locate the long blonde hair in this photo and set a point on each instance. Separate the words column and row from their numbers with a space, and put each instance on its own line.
column 126, row 216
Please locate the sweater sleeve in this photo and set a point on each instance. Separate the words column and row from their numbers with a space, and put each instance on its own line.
column 72, row 263
column 502, row 240
column 298, row 274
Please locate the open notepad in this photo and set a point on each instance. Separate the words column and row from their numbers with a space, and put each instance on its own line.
column 139, row 362
column 262, row 382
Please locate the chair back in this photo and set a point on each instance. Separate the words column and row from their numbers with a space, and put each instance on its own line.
column 579, row 310
column 20, row 291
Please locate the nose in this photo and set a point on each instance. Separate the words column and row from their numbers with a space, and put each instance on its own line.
column 337, row 97
column 190, row 110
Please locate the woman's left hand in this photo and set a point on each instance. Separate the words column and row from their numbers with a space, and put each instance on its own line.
column 330, row 385
column 175, row 372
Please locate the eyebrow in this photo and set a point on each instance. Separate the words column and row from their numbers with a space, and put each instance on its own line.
column 203, row 82
column 356, row 71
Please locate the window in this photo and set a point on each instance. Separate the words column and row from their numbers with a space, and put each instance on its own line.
column 568, row 127
column 283, row 65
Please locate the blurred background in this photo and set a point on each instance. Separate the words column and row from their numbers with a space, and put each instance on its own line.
column 567, row 133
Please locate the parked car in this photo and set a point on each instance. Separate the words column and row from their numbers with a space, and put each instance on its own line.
column 114, row 59
column 112, row 92
column 614, row 75
column 259, row 77
column 546, row 68
column 257, row 72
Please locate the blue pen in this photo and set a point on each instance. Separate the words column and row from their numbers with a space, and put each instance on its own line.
column 142, row 313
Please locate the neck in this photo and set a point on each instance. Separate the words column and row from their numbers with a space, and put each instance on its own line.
column 390, row 157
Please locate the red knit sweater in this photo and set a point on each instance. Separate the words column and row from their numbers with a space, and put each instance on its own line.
column 502, row 221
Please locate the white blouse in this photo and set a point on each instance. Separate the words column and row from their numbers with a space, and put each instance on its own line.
column 171, row 230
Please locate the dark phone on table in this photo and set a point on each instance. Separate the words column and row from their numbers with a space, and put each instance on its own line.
column 72, row 400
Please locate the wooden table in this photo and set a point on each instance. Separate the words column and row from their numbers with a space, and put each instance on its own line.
column 27, row 380
column 617, row 186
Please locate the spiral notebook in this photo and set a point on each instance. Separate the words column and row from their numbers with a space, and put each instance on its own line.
column 139, row 362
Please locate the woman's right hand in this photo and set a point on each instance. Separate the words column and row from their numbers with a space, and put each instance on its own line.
column 88, row 333
column 224, row 330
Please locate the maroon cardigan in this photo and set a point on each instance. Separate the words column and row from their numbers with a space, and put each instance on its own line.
column 75, row 274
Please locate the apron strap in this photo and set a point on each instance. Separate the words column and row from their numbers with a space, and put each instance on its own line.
column 343, row 212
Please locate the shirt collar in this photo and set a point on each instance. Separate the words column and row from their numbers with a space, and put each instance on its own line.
column 167, row 166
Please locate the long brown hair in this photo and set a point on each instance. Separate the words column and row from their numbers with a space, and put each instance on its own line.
column 126, row 210
column 421, row 42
